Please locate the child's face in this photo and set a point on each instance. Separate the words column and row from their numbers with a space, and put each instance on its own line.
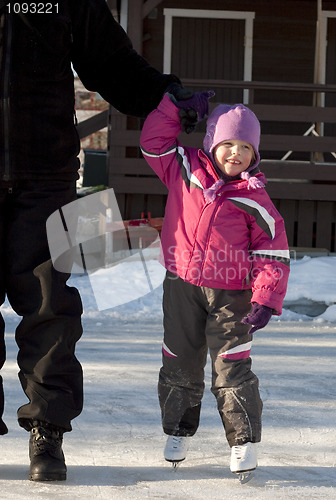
column 233, row 157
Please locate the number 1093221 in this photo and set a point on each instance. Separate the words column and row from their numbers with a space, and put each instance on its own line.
column 32, row 8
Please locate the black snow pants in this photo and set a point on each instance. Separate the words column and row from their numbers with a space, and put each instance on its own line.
column 50, row 374
column 198, row 319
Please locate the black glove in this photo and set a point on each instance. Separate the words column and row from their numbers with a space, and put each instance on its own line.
column 193, row 106
column 180, row 93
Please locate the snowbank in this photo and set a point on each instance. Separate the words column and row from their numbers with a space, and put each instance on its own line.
column 132, row 292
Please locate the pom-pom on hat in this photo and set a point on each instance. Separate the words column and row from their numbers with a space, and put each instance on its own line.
column 233, row 122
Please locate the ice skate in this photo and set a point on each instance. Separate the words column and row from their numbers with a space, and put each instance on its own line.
column 176, row 449
column 244, row 461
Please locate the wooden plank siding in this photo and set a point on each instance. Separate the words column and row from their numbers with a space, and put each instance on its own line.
column 304, row 192
column 208, row 54
column 268, row 142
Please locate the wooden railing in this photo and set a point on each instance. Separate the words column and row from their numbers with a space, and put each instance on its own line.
column 93, row 124
column 303, row 191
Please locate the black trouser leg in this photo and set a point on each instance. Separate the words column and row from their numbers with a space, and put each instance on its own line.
column 3, row 194
column 196, row 318
column 50, row 373
column 181, row 378
column 234, row 384
column 3, row 427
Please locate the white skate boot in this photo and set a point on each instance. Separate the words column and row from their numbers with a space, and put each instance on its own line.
column 176, row 449
column 244, row 461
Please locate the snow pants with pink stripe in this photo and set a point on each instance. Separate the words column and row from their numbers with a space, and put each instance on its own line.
column 198, row 320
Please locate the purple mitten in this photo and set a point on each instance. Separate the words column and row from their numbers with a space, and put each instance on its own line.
column 258, row 317
column 198, row 102
column 193, row 107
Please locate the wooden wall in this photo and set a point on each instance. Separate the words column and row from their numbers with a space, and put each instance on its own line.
column 283, row 51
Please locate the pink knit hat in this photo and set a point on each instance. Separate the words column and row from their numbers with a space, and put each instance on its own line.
column 233, row 122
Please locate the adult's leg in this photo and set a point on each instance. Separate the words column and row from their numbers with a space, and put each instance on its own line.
column 3, row 426
column 50, row 373
column 3, row 194
column 181, row 378
column 234, row 384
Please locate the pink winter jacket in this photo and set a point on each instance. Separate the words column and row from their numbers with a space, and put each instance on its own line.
column 236, row 241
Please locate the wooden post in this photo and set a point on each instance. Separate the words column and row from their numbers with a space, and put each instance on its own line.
column 148, row 6
column 317, row 96
column 134, row 28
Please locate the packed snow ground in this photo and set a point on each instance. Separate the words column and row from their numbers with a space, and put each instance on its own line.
column 115, row 449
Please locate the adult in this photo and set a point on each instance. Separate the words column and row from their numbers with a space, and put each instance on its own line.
column 39, row 146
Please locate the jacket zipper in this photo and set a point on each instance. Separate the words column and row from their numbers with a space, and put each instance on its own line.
column 195, row 238
column 217, row 201
column 199, row 221
column 209, row 229
column 6, row 99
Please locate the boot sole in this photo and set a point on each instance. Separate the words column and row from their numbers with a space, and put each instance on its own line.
column 47, row 477
column 242, row 471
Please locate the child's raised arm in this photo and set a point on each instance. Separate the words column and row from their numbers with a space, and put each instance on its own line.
column 159, row 134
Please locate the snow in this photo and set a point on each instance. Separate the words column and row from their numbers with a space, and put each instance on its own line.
column 322, row 270
column 115, row 449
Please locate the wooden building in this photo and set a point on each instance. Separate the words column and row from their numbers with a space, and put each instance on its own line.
column 278, row 57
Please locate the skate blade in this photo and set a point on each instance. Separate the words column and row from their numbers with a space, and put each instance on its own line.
column 245, row 477
column 175, row 464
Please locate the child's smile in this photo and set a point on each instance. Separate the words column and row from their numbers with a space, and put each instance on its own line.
column 233, row 157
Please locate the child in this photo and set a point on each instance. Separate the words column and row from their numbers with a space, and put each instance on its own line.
column 225, row 250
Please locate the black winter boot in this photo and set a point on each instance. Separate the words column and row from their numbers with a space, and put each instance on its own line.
column 45, row 453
